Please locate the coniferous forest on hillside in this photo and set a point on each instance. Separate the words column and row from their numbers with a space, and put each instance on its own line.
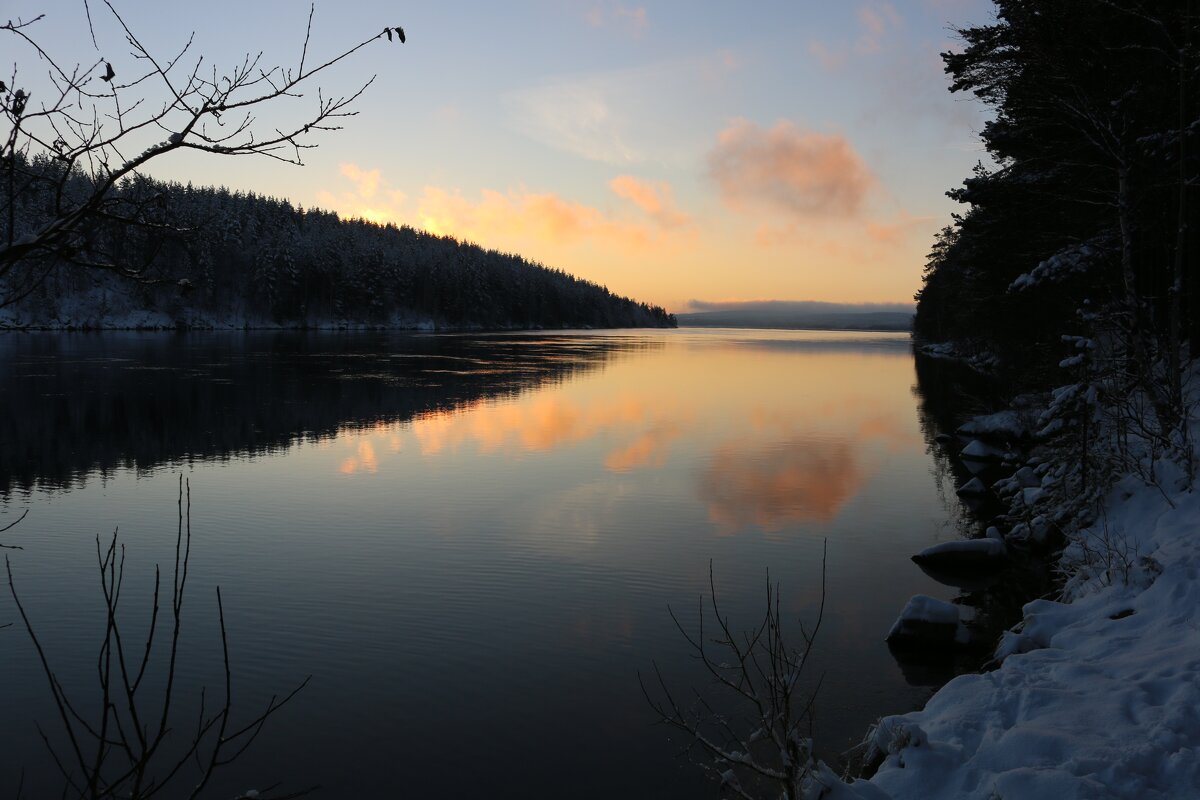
column 208, row 257
column 1085, row 222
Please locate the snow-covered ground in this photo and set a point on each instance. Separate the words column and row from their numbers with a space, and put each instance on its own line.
column 1098, row 696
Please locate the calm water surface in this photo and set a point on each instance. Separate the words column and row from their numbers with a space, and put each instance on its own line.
column 469, row 542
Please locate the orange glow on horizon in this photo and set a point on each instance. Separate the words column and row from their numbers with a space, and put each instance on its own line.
column 635, row 238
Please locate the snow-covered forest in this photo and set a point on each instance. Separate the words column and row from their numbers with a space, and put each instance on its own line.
column 208, row 257
column 1084, row 222
column 1073, row 270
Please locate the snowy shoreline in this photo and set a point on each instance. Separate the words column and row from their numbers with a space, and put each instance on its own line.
column 1097, row 695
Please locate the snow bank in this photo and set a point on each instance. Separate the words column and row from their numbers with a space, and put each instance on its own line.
column 1098, row 697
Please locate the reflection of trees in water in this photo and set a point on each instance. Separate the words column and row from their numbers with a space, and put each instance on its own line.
column 75, row 404
column 948, row 394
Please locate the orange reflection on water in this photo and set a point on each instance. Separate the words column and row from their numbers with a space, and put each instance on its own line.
column 364, row 459
column 772, row 485
column 649, row 449
column 771, row 431
column 546, row 422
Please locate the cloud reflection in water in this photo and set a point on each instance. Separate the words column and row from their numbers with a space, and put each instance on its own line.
column 550, row 421
column 772, row 485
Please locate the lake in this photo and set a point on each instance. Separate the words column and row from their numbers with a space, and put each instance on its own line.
column 470, row 542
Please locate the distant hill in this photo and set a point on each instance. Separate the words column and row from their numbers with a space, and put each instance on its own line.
column 798, row 315
column 219, row 259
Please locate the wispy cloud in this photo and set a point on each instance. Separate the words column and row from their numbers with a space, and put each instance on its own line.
column 653, row 197
column 876, row 21
column 578, row 116
column 643, row 114
column 633, row 20
column 798, row 173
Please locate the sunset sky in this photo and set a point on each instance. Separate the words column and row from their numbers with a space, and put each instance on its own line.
column 673, row 151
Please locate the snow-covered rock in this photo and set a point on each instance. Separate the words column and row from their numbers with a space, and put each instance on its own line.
column 978, row 450
column 1032, row 496
column 972, row 488
column 964, row 555
column 1003, row 425
column 928, row 621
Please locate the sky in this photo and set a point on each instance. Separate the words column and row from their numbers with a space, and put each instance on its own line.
column 672, row 151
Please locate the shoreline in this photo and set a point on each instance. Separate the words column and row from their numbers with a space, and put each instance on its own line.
column 1096, row 693
column 331, row 328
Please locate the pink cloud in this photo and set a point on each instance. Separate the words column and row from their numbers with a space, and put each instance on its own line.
column 875, row 20
column 799, row 173
column 371, row 197
column 514, row 217
column 497, row 216
column 366, row 181
column 653, row 197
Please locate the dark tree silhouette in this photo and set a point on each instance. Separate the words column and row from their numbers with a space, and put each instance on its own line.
column 1074, row 267
column 92, row 137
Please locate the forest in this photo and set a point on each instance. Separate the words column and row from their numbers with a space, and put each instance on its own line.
column 1081, row 229
column 208, row 257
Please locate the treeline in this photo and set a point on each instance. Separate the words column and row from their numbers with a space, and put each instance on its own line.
column 1085, row 224
column 205, row 257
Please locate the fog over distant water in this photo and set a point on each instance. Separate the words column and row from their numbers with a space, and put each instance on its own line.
column 798, row 314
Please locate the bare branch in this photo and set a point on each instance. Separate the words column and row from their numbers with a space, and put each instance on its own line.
column 117, row 754
column 762, row 671
column 92, row 129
